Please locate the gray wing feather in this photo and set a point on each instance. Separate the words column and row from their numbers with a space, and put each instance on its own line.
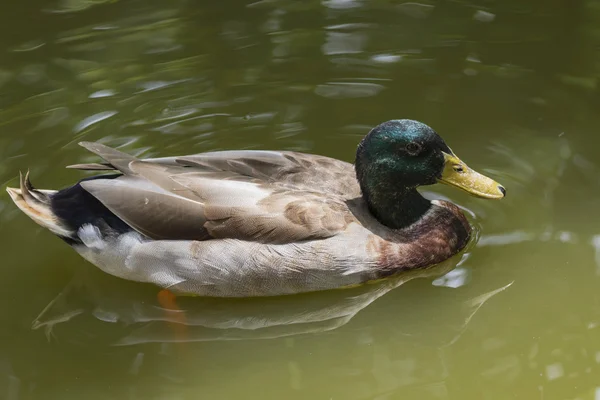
column 297, row 170
column 263, row 196
column 92, row 167
column 114, row 157
column 149, row 210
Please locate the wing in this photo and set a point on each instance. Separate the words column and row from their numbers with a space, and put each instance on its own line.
column 192, row 198
column 285, row 168
column 292, row 169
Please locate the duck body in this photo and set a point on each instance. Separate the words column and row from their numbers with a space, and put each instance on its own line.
column 248, row 223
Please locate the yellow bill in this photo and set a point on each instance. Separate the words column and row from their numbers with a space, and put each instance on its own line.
column 457, row 173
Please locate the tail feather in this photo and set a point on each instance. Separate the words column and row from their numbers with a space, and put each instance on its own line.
column 37, row 200
column 35, row 204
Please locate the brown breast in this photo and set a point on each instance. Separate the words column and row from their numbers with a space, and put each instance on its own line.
column 441, row 233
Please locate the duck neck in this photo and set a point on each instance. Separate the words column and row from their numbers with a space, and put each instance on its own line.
column 396, row 208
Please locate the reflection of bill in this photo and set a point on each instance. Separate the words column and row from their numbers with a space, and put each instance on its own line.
column 189, row 319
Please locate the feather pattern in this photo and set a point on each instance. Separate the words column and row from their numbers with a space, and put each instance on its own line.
column 268, row 197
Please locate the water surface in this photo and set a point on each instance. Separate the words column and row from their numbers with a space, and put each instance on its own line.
column 511, row 85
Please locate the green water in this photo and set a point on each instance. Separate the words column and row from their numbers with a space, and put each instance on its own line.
column 511, row 85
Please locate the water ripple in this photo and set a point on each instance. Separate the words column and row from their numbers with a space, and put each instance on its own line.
column 341, row 90
column 93, row 119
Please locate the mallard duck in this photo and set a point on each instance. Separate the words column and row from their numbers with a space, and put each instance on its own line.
column 261, row 223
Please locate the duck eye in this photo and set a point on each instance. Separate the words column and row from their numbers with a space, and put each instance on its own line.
column 413, row 148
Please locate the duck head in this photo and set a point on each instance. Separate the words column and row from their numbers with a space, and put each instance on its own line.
column 398, row 156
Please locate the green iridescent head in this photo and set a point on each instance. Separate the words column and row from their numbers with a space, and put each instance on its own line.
column 398, row 156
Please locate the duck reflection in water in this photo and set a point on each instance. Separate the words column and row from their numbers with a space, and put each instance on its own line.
column 144, row 317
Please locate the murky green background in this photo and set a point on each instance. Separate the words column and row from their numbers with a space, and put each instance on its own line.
column 511, row 85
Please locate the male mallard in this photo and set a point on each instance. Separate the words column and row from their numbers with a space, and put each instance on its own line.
column 260, row 223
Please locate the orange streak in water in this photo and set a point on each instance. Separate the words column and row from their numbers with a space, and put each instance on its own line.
column 168, row 301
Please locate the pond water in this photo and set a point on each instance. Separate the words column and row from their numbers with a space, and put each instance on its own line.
column 511, row 85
